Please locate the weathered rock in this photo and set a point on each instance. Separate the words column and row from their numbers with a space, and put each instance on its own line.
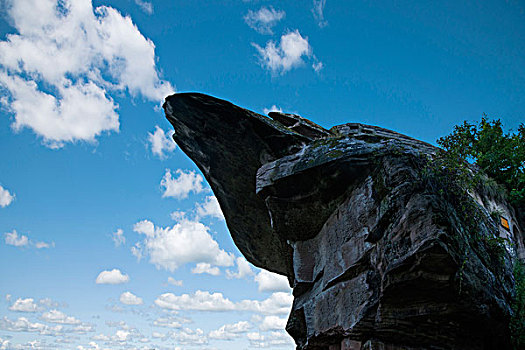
column 378, row 257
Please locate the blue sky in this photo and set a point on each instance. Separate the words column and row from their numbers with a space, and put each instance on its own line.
column 111, row 239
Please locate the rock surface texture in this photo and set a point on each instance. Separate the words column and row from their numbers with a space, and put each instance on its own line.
column 378, row 258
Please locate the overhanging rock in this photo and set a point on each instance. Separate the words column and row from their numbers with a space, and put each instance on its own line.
column 376, row 256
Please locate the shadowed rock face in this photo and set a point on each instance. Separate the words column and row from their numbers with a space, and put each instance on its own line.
column 376, row 258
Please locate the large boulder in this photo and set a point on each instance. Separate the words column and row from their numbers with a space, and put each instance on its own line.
column 379, row 252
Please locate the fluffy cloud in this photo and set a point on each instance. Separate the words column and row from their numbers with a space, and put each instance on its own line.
column 230, row 331
column 63, row 62
column 158, row 335
column 276, row 304
column 274, row 339
column 272, row 323
column 12, row 238
column 129, row 298
column 55, row 316
column 180, row 187
column 318, row 12
column 285, row 56
column 145, row 6
column 24, row 305
column 317, row 66
column 190, row 337
column 83, row 328
column 91, row 346
column 200, row 301
column 120, row 336
column 201, row 268
column 48, row 302
column 210, row 207
column 160, row 142
column 118, row 237
column 174, row 282
column 22, row 324
column 263, row 20
column 101, row 337
column 188, row 241
column 111, row 277
column 273, row 108
column 271, row 282
column 6, row 197
column 42, row 245
column 243, row 269
column 4, row 343
column 167, row 322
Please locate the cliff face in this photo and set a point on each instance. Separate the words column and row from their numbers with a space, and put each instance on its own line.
column 377, row 256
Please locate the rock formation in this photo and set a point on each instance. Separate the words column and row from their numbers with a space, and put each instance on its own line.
column 378, row 255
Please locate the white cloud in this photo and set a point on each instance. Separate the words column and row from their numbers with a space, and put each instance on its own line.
column 272, row 323
column 101, row 337
column 48, row 302
column 201, row 268
column 210, row 207
column 287, row 55
column 4, row 344
column 65, row 60
column 243, row 269
column 81, row 112
column 273, row 108
column 180, row 187
column 188, row 336
column 230, row 331
column 136, row 250
column 271, row 282
column 200, row 301
column 263, row 20
column 145, row 227
column 56, row 316
column 276, row 304
column 83, row 328
column 6, row 197
column 120, row 335
column 274, row 339
column 22, row 324
column 145, row 6
column 111, row 277
column 42, row 245
column 317, row 66
column 178, row 215
column 12, row 238
column 160, row 142
column 318, row 12
column 174, row 282
column 118, row 237
column 24, row 305
column 187, row 241
column 91, row 346
column 158, row 335
column 129, row 298
column 167, row 322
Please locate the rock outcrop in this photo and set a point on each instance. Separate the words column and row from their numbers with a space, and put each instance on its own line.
column 378, row 255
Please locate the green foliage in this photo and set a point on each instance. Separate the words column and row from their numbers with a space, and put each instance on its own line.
column 517, row 323
column 500, row 155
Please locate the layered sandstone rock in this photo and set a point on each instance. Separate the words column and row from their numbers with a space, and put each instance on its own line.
column 377, row 256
